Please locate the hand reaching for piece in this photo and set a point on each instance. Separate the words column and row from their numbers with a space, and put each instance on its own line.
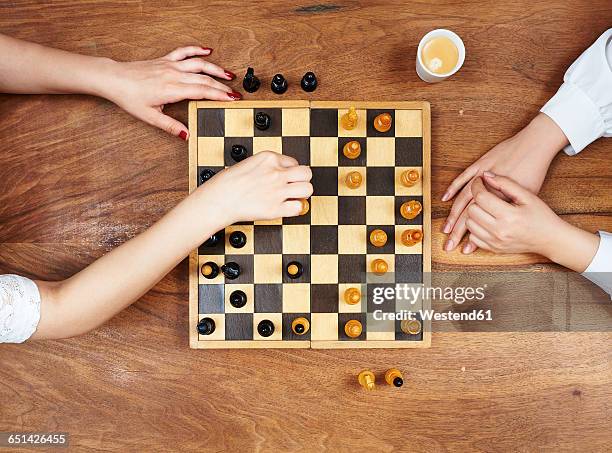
column 142, row 88
column 524, row 157
column 524, row 224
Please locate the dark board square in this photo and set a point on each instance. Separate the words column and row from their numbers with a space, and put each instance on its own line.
column 351, row 210
column 228, row 142
column 239, row 326
column 371, row 132
column 217, row 249
column 323, row 239
column 202, row 171
column 408, row 151
column 211, row 299
column 325, row 180
column 297, row 220
column 268, row 298
column 268, row 239
column 380, row 181
column 351, row 268
column 389, row 247
column 323, row 122
column 298, row 148
column 344, row 161
column 399, row 220
column 324, row 298
column 343, row 318
column 211, row 122
column 399, row 335
column 304, row 260
column 381, row 297
column 288, row 333
column 246, row 268
column 276, row 123
column 409, row 268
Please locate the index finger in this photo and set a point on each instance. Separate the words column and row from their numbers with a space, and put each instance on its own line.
column 486, row 200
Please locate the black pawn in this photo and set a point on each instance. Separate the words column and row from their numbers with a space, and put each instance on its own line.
column 250, row 82
column 279, row 84
column 262, row 121
column 213, row 240
column 206, row 326
column 206, row 174
column 265, row 328
column 238, row 299
column 309, row 82
column 237, row 239
column 231, row 270
column 238, row 153
column 398, row 382
column 299, row 328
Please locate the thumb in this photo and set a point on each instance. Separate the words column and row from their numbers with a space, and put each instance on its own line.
column 511, row 189
column 168, row 124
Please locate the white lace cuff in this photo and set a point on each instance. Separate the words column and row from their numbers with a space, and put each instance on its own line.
column 19, row 308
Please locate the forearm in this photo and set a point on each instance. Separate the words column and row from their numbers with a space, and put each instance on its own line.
column 571, row 247
column 121, row 277
column 29, row 68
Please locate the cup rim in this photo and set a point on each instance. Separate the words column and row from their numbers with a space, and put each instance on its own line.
column 443, row 32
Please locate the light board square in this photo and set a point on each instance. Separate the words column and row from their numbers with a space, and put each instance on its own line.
column 296, row 122
column 324, row 268
column 219, row 261
column 248, row 249
column 381, row 151
column 219, row 333
column 296, row 298
column 274, row 144
column 416, row 189
column 296, row 239
column 408, row 123
column 323, row 326
column 360, row 129
column 400, row 248
column 268, row 268
column 277, row 320
column 250, row 293
column 380, row 329
column 210, row 151
column 352, row 239
column 324, row 151
column 324, row 210
column 380, row 210
column 343, row 189
column 239, row 123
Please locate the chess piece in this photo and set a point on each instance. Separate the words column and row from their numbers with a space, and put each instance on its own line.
column 206, row 326
column 378, row 238
column 231, row 270
column 300, row 326
column 295, row 270
column 309, row 82
column 210, row 270
column 382, row 123
column 349, row 119
column 265, row 328
column 367, row 380
column 409, row 178
column 305, row 206
column 237, row 239
column 394, row 377
column 262, row 121
column 410, row 209
column 206, row 174
column 353, row 328
column 411, row 326
column 352, row 296
column 213, row 240
column 279, row 84
column 250, row 82
column 353, row 179
column 238, row 153
column 238, row 299
column 379, row 266
column 411, row 237
column 352, row 149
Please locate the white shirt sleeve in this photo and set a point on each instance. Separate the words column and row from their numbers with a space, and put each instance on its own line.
column 582, row 107
column 600, row 269
column 19, row 308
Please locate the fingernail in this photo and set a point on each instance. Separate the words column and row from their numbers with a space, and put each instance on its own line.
column 449, row 245
column 447, row 228
column 207, row 49
column 468, row 248
column 234, row 96
column 489, row 174
column 230, row 74
column 446, row 196
column 183, row 135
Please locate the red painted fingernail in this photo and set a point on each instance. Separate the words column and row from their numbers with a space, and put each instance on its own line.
column 230, row 74
column 234, row 96
column 207, row 49
column 183, row 135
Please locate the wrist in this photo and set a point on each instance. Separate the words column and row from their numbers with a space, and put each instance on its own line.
column 105, row 75
column 543, row 137
column 570, row 246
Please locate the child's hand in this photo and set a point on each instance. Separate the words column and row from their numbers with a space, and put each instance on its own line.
column 524, row 157
column 142, row 88
column 263, row 187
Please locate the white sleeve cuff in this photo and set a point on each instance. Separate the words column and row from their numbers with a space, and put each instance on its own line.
column 600, row 269
column 577, row 116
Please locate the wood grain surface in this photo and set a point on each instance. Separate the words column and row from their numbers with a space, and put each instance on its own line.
column 79, row 177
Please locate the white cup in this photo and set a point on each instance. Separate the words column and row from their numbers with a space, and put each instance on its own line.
column 425, row 74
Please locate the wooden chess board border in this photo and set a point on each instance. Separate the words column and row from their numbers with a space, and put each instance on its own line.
column 425, row 108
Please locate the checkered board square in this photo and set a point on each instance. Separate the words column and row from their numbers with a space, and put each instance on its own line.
column 331, row 241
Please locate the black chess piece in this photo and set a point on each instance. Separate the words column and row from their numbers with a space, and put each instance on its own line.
column 206, row 174
column 265, row 328
column 250, row 82
column 237, row 239
column 279, row 84
column 295, row 269
column 238, row 299
column 238, row 153
column 213, row 240
column 206, row 326
column 398, row 382
column 231, row 270
column 299, row 329
column 262, row 121
column 210, row 270
column 309, row 82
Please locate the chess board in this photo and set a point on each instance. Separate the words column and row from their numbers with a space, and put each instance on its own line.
column 331, row 240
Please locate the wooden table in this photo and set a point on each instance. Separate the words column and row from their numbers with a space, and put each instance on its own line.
column 79, row 177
